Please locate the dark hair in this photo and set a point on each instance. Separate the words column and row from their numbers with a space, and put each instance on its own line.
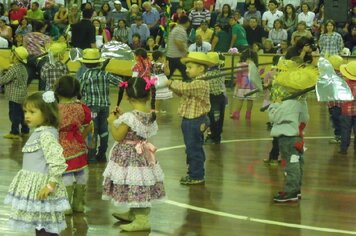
column 2, row 9
column 274, row 2
column 275, row 59
column 37, row 26
column 329, row 22
column 102, row 8
column 136, row 35
column 49, row 110
column 67, row 86
column 157, row 54
column 35, row 3
column 249, row 54
column 183, row 19
column 229, row 12
column 280, row 22
column 122, row 21
column 100, row 29
column 136, row 90
column 141, row 52
column 87, row 13
column 285, row 15
column 304, row 3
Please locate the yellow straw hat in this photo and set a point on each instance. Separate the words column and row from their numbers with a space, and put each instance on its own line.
column 215, row 58
column 58, row 48
column 199, row 58
column 21, row 53
column 91, row 55
column 349, row 70
column 284, row 65
column 336, row 61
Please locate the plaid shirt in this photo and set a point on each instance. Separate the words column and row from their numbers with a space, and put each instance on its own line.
column 94, row 86
column 195, row 95
column 349, row 108
column 15, row 81
column 331, row 44
column 216, row 85
column 51, row 73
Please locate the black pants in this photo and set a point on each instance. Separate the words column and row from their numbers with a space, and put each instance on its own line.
column 274, row 153
column 43, row 232
column 175, row 63
column 17, row 118
column 335, row 114
column 34, row 71
column 216, row 116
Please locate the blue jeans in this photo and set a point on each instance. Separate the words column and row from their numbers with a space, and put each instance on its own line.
column 17, row 118
column 193, row 139
column 347, row 123
column 99, row 116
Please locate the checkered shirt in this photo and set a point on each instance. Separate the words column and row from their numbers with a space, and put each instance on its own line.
column 15, row 81
column 349, row 108
column 216, row 85
column 50, row 73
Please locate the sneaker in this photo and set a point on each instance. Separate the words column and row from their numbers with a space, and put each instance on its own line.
column 12, row 136
column 285, row 197
column 335, row 140
column 189, row 181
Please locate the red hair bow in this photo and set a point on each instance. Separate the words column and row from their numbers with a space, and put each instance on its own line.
column 124, row 84
column 149, row 82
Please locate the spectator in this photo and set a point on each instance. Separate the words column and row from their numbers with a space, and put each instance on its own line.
column 254, row 32
column 238, row 35
column 187, row 5
column 35, row 13
column 294, row 3
column 16, row 14
column 151, row 18
column 306, row 15
column 141, row 29
column 122, row 33
column 130, row 3
column 61, row 18
column 89, row 6
column 179, row 12
column 271, row 15
column 330, row 42
column 289, row 19
column 103, row 13
column 221, row 40
column 136, row 41
column 238, row 17
column 6, row 32
column 220, row 3
column 205, row 32
column 301, row 49
column 301, row 32
column 318, row 22
column 199, row 45
column 313, row 4
column 252, row 12
column 209, row 5
column 118, row 13
column 49, row 11
column 199, row 14
column 260, row 4
column 277, row 34
column 74, row 15
column 133, row 12
column 4, row 14
column 224, row 17
column 101, row 35
column 257, row 48
column 151, row 46
column 268, row 46
column 24, row 27
column 83, row 33
column 283, row 47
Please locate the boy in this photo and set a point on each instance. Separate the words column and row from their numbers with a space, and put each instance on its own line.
column 194, row 108
column 94, row 86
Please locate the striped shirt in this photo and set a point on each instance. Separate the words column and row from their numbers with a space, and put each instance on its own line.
column 195, row 98
column 94, row 86
column 179, row 33
column 15, row 81
column 198, row 16
column 50, row 73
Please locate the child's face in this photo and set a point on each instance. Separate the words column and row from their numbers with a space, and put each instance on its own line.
column 135, row 40
column 194, row 70
column 33, row 116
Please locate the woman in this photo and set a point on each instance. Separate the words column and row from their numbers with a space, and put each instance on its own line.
column 3, row 14
column 221, row 40
column 101, row 34
column 318, row 22
column 300, row 32
column 61, row 18
column 6, row 31
column 330, row 42
column 122, row 33
column 24, row 27
column 289, row 19
column 103, row 13
column 224, row 17
column 74, row 14
column 306, row 15
column 151, row 46
column 133, row 12
column 130, row 3
column 277, row 34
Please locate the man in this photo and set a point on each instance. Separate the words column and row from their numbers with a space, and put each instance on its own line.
column 118, row 13
column 16, row 14
column 254, row 32
column 177, row 47
column 238, row 35
column 199, row 45
column 34, row 14
column 270, row 16
column 151, row 18
column 83, row 33
column 199, row 14
column 205, row 32
column 252, row 12
column 141, row 29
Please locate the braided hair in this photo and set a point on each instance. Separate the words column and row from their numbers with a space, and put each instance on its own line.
column 138, row 88
column 67, row 86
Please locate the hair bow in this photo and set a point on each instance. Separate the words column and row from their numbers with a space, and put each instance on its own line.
column 149, row 82
column 124, row 84
column 48, row 97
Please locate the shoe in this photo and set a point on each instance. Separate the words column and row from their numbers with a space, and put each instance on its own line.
column 12, row 136
column 285, row 197
column 141, row 221
column 126, row 216
column 335, row 140
column 189, row 181
column 235, row 115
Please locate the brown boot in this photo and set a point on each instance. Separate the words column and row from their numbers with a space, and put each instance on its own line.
column 141, row 221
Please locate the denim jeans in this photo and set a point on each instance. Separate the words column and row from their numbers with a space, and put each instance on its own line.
column 17, row 118
column 335, row 113
column 347, row 123
column 193, row 139
column 99, row 116
column 216, row 116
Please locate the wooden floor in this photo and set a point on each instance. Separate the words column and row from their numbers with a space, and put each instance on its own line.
column 237, row 196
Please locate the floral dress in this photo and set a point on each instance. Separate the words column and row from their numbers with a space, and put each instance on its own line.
column 132, row 179
column 73, row 117
column 43, row 162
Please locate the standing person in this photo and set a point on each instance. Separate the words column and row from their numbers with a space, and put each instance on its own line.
column 224, row 17
column 83, row 33
column 330, row 42
column 238, row 35
column 74, row 126
column 15, row 82
column 178, row 47
column 133, row 177
column 142, row 67
column 38, row 186
column 244, row 84
column 94, row 86
column 199, row 14
column 194, row 108
column 271, row 15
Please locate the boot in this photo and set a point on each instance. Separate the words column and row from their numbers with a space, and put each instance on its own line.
column 70, row 190
column 126, row 216
column 141, row 222
column 79, row 198
column 248, row 115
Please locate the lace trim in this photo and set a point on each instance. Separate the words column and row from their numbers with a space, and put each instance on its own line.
column 18, row 203
column 139, row 176
column 133, row 204
column 31, row 147
column 25, row 226
column 136, row 125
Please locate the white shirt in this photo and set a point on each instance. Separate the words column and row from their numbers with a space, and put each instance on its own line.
column 3, row 43
column 295, row 3
column 308, row 18
column 271, row 17
column 205, row 47
column 220, row 3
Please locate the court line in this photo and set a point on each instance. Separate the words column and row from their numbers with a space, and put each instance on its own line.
column 247, row 218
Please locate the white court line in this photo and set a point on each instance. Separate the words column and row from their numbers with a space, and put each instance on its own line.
column 247, row 218
column 269, row 222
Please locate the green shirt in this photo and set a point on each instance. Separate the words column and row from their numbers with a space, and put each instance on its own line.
column 35, row 15
column 240, row 32
column 223, row 44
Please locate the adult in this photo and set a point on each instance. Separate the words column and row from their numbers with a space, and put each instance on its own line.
column 199, row 14
column 277, row 34
column 151, row 18
column 300, row 32
column 35, row 13
column 330, row 42
column 74, row 15
column 301, row 49
column 313, row 4
column 224, row 17
column 177, row 47
column 271, row 15
column 140, row 28
column 204, row 31
column 101, row 35
column 151, row 45
column 254, row 32
column 294, row 3
column 83, row 33
column 306, row 15
column 260, row 4
column 238, row 35
column 61, row 18
column 289, row 19
column 122, row 33
column 6, row 32
column 16, row 14
column 103, row 13
column 319, row 21
column 252, row 12
column 4, row 14
column 132, row 13
column 24, row 27
column 118, row 13
column 221, row 40
column 187, row 5
column 49, row 11
column 199, row 45
column 220, row 3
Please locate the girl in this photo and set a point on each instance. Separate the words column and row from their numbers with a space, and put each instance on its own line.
column 101, row 35
column 142, row 68
column 73, row 129
column 133, row 177
column 37, row 193
column 244, row 84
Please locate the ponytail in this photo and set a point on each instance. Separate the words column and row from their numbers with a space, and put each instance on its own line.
column 153, row 103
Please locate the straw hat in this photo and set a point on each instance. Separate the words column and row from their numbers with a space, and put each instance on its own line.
column 214, row 58
column 284, row 65
column 349, row 70
column 199, row 58
column 336, row 61
column 91, row 55
column 21, row 53
column 58, row 48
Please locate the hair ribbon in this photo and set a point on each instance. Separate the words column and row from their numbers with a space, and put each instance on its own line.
column 149, row 82
column 124, row 84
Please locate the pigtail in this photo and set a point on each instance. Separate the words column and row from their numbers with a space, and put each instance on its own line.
column 122, row 86
column 153, row 103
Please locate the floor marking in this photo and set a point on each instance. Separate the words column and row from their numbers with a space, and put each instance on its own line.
column 270, row 222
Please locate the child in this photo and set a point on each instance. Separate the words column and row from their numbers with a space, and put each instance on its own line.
column 194, row 108
column 133, row 177
column 160, row 69
column 54, row 68
column 348, row 114
column 94, row 86
column 74, row 117
column 37, row 193
column 142, row 67
column 244, row 84
column 15, row 81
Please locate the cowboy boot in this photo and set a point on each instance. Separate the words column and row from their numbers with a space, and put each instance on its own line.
column 70, row 190
column 141, row 221
column 79, row 198
column 125, row 216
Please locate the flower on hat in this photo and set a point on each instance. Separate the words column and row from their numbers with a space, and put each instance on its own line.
column 48, row 97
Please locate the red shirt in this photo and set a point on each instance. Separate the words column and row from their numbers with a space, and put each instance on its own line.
column 349, row 108
column 208, row 3
column 17, row 15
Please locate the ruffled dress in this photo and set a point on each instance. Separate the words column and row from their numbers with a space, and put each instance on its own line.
column 243, row 83
column 43, row 162
column 162, row 92
column 129, row 178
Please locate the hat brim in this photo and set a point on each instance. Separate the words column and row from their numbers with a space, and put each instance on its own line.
column 345, row 73
column 92, row 61
column 185, row 60
column 19, row 58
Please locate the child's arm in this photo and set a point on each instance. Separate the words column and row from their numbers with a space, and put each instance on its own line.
column 8, row 76
column 166, row 68
column 117, row 132
column 194, row 88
